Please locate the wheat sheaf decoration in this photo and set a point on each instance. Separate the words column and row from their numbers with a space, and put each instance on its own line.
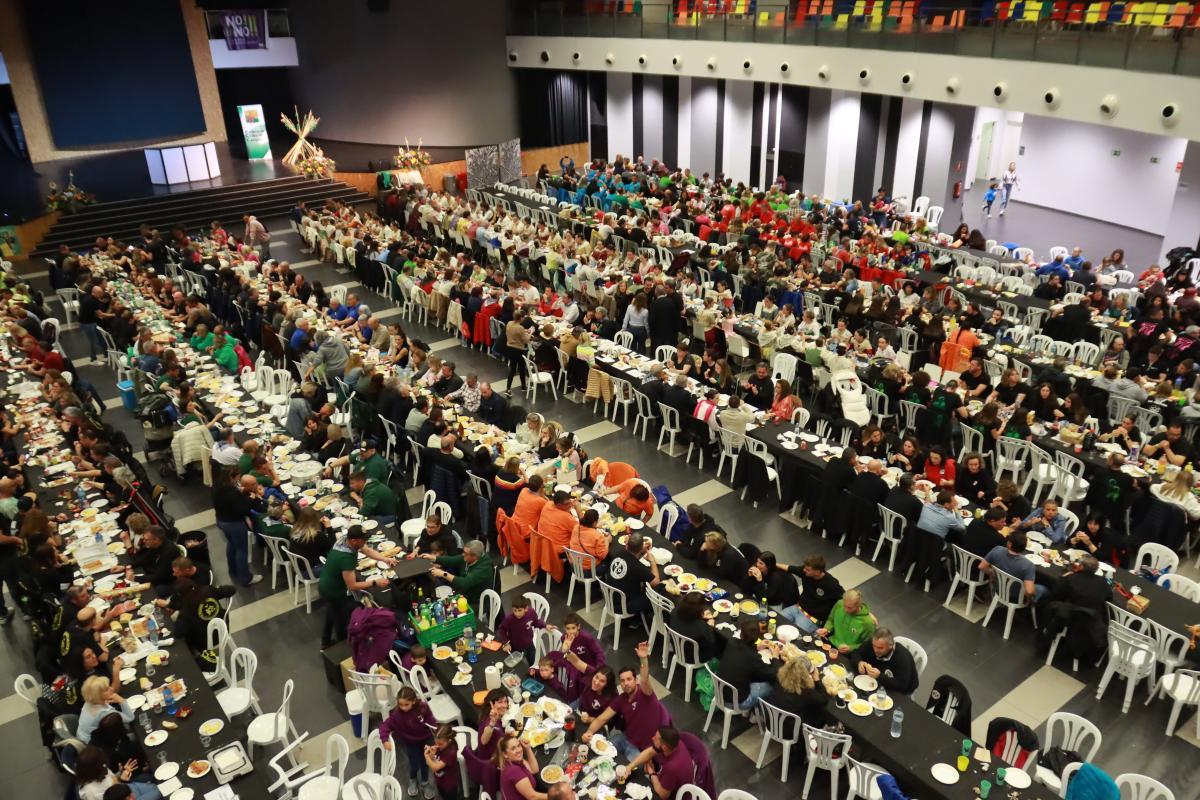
column 303, row 128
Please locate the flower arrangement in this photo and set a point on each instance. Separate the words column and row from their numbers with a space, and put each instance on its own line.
column 316, row 164
column 70, row 199
column 411, row 157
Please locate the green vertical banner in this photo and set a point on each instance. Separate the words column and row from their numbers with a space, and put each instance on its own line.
column 254, row 131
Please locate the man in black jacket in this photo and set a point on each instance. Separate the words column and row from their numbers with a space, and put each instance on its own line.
column 1077, row 603
column 152, row 559
column 883, row 660
column 742, row 666
column 819, row 593
column 867, row 490
column 699, row 524
column 679, row 398
column 902, row 500
column 663, row 319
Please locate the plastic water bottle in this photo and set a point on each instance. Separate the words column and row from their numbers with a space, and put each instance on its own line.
column 152, row 631
column 880, row 700
column 897, row 723
column 80, row 494
column 169, row 701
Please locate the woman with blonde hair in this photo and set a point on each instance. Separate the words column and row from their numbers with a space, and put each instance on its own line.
column 531, row 433
column 1178, row 492
column 99, row 700
column 310, row 536
column 797, row 690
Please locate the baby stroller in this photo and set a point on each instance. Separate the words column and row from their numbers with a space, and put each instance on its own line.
column 157, row 414
column 847, row 392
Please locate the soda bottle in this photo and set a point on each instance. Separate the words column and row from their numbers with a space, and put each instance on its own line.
column 169, row 701
column 460, row 647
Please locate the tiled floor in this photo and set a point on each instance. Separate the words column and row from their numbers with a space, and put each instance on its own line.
column 1005, row 678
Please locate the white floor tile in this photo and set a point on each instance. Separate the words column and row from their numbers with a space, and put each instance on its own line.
column 853, row 572
column 312, row 262
column 445, row 344
column 592, row 432
column 1031, row 702
column 196, row 522
column 750, row 742
column 14, row 707
column 269, row 607
column 510, row 581
column 313, row 748
column 704, row 493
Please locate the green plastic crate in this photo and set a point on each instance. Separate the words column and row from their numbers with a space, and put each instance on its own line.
column 446, row 632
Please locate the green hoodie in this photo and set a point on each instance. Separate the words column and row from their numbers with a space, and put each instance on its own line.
column 227, row 358
column 202, row 343
column 849, row 629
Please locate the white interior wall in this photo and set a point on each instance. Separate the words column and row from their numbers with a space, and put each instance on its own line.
column 907, row 142
column 704, row 127
column 1013, row 122
column 685, row 120
column 1006, row 140
column 1183, row 226
column 1071, row 166
column 842, row 143
column 816, row 138
column 937, row 155
column 652, row 117
column 738, row 133
column 620, row 114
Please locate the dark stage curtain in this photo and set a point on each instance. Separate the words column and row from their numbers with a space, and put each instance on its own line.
column 553, row 107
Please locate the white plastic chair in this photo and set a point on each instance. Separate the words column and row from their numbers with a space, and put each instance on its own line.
column 864, row 779
column 660, row 610
column 728, row 701
column 1002, row 593
column 1070, row 732
column 664, row 353
column 624, row 339
column 1141, row 787
column 615, row 608
column 218, row 640
column 822, row 745
column 381, row 765
column 1130, row 655
column 489, row 608
column 273, row 727
column 1181, row 585
column 443, row 708
column 623, row 398
column 920, row 659
column 758, row 449
column 377, row 693
column 411, row 529
column 1156, row 557
column 685, row 653
column 28, row 688
column 891, row 532
column 1183, row 687
column 783, row 727
column 964, row 561
column 279, row 560
column 239, row 697
column 690, row 791
column 540, row 605
column 670, row 426
column 735, row 794
column 583, row 571
column 731, row 448
column 538, row 378
column 303, row 576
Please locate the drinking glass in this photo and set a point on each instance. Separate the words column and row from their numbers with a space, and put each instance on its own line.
column 205, row 740
column 1000, row 773
column 150, row 670
column 963, row 763
column 161, row 757
column 985, row 788
column 966, row 748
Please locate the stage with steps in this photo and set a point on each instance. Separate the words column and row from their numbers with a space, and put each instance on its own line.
column 194, row 210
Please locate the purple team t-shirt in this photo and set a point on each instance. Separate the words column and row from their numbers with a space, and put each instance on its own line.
column 676, row 769
column 643, row 715
column 511, row 775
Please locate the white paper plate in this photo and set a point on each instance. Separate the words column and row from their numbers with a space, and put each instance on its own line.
column 167, row 771
column 370, row 524
column 1016, row 778
column 155, row 738
column 186, row 793
column 212, row 727
column 635, row 524
column 810, row 437
column 136, row 702
column 866, row 683
column 662, row 555
column 787, row 633
column 129, row 675
column 944, row 773
column 790, row 446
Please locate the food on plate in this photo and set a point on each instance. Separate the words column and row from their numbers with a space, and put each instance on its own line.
column 529, row 709
column 847, row 695
column 749, row 607
column 882, row 703
column 441, row 653
column 687, row 578
column 552, row 774
column 198, row 768
column 860, row 707
column 704, row 584
column 816, row 657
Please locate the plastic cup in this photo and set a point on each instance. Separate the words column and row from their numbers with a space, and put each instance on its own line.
column 966, row 748
column 963, row 763
column 1000, row 773
column 985, row 788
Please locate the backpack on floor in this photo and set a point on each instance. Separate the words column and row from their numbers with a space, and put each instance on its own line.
column 371, row 633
